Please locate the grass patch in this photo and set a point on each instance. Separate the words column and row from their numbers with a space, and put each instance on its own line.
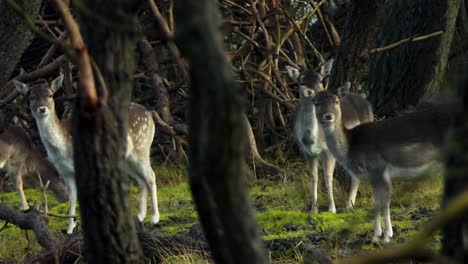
column 283, row 212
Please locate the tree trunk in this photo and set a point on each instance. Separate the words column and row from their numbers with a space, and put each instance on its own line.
column 217, row 138
column 454, row 244
column 454, row 235
column 400, row 76
column 351, row 63
column 98, row 134
column 15, row 35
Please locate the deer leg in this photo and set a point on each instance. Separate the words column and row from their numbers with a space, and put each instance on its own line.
column 381, row 189
column 154, row 194
column 313, row 170
column 386, row 196
column 73, row 198
column 20, row 190
column 353, row 192
column 328, row 168
column 139, row 172
column 143, row 200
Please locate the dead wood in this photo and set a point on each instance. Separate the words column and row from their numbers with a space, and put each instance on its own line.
column 30, row 220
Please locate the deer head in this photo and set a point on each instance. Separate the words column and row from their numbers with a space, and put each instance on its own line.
column 41, row 101
column 310, row 79
column 328, row 106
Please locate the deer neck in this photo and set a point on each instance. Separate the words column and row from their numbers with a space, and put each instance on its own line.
column 52, row 135
column 308, row 118
column 337, row 138
column 307, row 125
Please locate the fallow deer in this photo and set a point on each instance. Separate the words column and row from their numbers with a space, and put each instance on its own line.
column 56, row 137
column 402, row 146
column 309, row 136
column 19, row 156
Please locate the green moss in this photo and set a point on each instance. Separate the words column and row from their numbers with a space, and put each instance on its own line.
column 282, row 213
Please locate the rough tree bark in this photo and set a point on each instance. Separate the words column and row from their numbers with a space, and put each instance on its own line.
column 15, row 36
column 351, row 62
column 400, row 76
column 217, row 138
column 109, row 231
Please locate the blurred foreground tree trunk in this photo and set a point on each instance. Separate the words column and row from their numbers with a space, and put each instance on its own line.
column 400, row 76
column 15, row 35
column 454, row 235
column 217, row 138
column 101, row 172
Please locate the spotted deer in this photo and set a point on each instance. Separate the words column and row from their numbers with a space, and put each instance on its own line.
column 402, row 146
column 56, row 136
column 310, row 137
column 19, row 156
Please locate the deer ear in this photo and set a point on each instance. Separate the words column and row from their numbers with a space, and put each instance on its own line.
column 293, row 73
column 344, row 90
column 306, row 92
column 57, row 83
column 21, row 87
column 326, row 68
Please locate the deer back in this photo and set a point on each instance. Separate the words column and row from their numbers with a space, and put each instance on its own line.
column 355, row 110
column 428, row 126
column 141, row 131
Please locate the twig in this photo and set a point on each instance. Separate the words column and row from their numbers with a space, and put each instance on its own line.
column 298, row 29
column 31, row 76
column 324, row 25
column 88, row 89
column 169, row 37
column 411, row 39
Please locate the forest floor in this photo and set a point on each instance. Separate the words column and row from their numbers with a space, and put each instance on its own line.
column 283, row 214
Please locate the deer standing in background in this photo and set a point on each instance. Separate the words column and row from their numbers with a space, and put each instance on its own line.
column 402, row 146
column 19, row 156
column 56, row 137
column 309, row 136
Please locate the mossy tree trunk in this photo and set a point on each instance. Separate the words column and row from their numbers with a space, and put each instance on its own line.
column 400, row 76
column 217, row 168
column 15, row 35
column 101, row 173
column 358, row 37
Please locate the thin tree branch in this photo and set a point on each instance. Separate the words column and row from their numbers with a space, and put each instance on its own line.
column 403, row 41
column 88, row 89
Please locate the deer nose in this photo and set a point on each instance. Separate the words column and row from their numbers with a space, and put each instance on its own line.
column 42, row 109
column 328, row 117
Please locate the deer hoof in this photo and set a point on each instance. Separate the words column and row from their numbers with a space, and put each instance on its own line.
column 155, row 219
column 71, row 227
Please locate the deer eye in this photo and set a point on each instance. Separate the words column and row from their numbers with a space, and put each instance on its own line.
column 336, row 101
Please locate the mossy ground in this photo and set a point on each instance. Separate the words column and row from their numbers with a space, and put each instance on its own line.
column 282, row 213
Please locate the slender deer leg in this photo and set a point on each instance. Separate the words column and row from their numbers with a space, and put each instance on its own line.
column 73, row 197
column 143, row 201
column 19, row 189
column 352, row 193
column 328, row 168
column 312, row 162
column 154, row 194
column 139, row 172
column 380, row 191
column 387, row 193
